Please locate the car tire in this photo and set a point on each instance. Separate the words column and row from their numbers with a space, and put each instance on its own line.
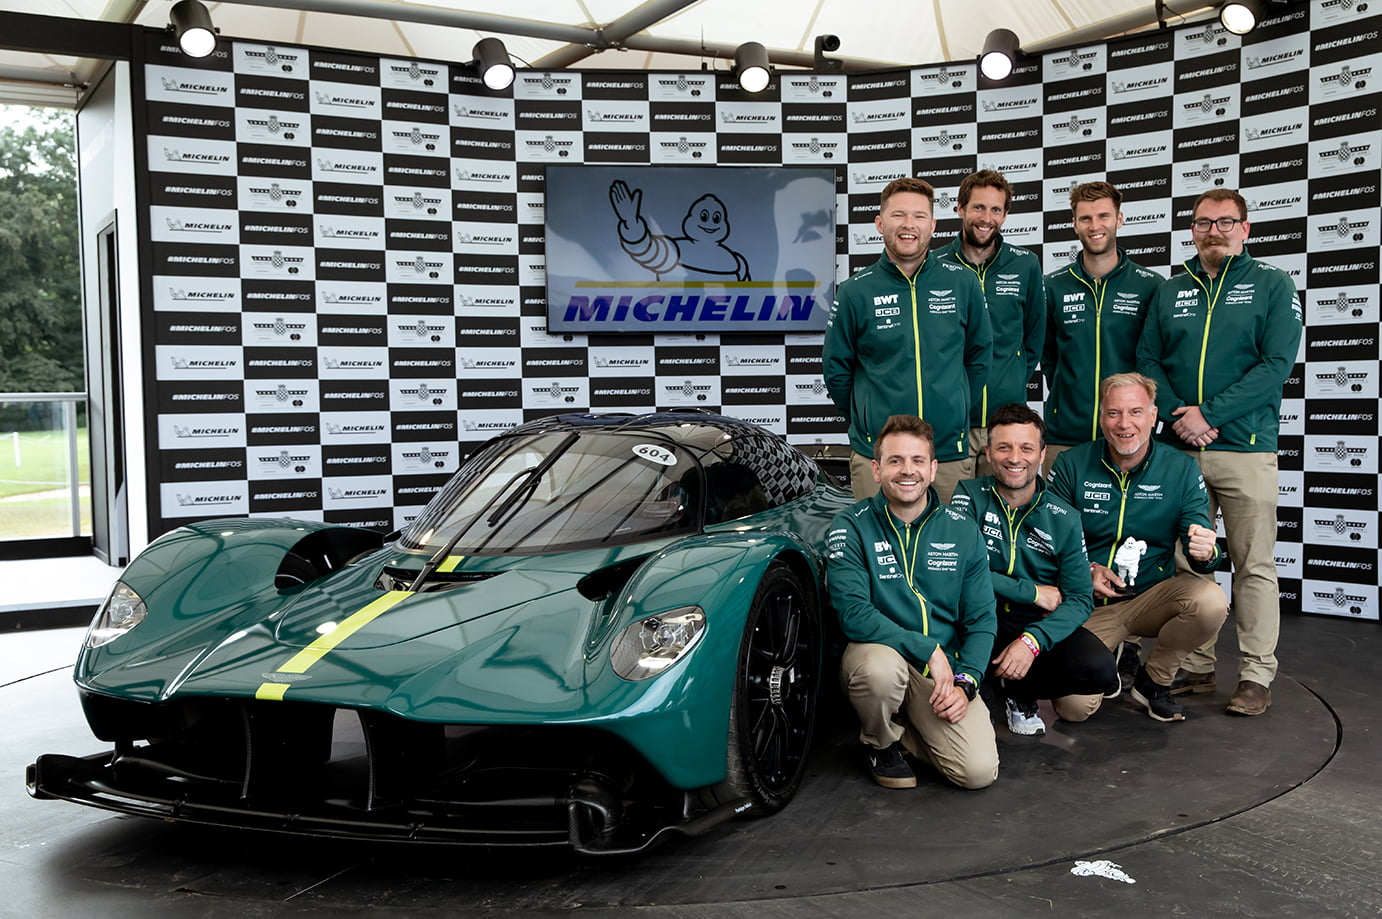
column 773, row 709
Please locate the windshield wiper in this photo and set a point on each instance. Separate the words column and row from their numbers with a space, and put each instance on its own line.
column 516, row 499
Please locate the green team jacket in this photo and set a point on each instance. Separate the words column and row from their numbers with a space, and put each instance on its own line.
column 1155, row 501
column 914, row 586
column 908, row 346
column 1226, row 344
column 1092, row 327
column 1038, row 543
column 1011, row 279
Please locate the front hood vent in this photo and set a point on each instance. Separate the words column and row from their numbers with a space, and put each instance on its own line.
column 402, row 578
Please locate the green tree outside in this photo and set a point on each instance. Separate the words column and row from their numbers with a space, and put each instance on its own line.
column 40, row 270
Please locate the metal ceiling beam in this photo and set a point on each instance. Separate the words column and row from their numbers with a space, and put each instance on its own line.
column 456, row 19
column 1113, row 27
column 66, row 37
column 615, row 34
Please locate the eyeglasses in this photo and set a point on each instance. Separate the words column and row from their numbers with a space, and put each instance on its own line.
column 1225, row 224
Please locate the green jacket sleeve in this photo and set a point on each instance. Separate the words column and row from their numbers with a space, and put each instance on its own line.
column 1062, row 481
column 1076, row 590
column 850, row 586
column 978, row 613
column 1280, row 343
column 839, row 351
column 1194, row 508
column 1033, row 318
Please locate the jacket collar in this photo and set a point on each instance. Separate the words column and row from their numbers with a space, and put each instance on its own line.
column 879, row 503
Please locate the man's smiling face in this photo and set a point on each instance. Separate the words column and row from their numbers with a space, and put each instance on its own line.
column 904, row 468
column 906, row 223
column 1097, row 224
column 1127, row 417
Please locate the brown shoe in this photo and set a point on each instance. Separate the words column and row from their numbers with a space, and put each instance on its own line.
column 1250, row 699
column 1197, row 683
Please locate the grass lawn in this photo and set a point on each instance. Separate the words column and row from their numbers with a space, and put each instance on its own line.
column 42, row 461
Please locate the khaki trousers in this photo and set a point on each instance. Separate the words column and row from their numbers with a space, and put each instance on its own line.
column 1244, row 487
column 1181, row 613
column 892, row 697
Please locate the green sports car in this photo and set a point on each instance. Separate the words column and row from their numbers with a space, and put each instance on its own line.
column 602, row 631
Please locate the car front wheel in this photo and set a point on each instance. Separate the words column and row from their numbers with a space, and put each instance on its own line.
column 773, row 709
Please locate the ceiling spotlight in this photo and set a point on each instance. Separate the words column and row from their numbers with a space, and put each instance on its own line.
column 826, row 43
column 191, row 24
column 999, row 56
column 496, row 70
column 1240, row 16
column 751, row 64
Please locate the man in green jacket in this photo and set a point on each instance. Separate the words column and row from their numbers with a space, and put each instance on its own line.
column 1011, row 279
column 1220, row 340
column 907, row 335
column 1095, row 307
column 1136, row 498
column 1041, row 578
column 909, row 579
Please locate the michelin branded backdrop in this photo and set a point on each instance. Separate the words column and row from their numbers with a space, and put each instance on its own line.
column 347, row 290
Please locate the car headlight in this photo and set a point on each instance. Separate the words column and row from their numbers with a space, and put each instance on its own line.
column 649, row 646
column 123, row 610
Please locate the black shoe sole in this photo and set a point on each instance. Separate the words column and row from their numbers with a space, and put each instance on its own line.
column 1142, row 701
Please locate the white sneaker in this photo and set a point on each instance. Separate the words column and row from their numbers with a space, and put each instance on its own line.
column 1025, row 721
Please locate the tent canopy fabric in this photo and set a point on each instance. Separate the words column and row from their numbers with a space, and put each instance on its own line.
column 677, row 35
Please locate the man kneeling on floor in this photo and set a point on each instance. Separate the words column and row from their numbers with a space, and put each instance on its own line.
column 909, row 577
column 1041, row 578
column 1136, row 497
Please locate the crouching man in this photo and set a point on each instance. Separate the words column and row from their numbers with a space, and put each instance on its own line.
column 1040, row 575
column 909, row 578
column 1136, row 498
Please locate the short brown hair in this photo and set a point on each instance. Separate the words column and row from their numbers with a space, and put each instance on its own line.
column 907, row 184
column 986, row 178
column 908, row 424
column 1108, row 384
column 1222, row 194
column 1017, row 413
column 1093, row 191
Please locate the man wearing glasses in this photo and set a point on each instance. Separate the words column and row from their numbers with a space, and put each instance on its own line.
column 1220, row 340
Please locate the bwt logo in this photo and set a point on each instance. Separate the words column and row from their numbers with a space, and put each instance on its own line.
column 1342, row 377
column 887, row 298
column 1339, row 525
column 1342, row 451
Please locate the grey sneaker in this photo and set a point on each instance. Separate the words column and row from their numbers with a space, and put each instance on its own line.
column 1024, row 719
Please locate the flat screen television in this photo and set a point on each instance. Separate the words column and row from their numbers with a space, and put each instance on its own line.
column 689, row 248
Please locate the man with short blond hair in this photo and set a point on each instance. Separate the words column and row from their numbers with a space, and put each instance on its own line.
column 1137, row 499
column 1220, row 340
column 907, row 335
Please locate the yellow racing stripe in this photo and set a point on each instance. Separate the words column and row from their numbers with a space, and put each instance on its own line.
column 320, row 647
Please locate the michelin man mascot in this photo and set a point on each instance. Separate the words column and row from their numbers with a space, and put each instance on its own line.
column 1126, row 559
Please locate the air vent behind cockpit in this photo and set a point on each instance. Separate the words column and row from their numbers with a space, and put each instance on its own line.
column 403, row 578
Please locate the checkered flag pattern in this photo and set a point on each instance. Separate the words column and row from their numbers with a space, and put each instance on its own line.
column 344, row 285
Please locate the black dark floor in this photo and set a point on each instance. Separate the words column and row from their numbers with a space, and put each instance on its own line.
column 1279, row 815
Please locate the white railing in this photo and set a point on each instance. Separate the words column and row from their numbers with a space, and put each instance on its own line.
column 40, row 464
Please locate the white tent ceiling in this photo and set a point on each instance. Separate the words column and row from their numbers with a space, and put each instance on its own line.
column 656, row 35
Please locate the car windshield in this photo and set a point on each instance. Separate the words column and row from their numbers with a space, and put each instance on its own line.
column 560, row 490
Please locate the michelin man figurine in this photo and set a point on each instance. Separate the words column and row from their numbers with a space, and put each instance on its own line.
column 1127, row 557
